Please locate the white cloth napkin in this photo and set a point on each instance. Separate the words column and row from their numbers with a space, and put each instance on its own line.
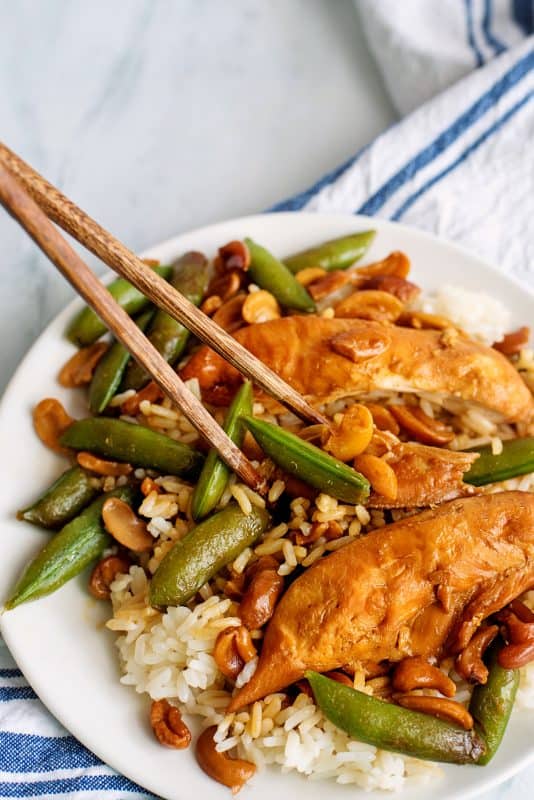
column 423, row 46
column 462, row 166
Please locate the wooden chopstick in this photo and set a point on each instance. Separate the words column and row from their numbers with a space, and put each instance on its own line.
column 23, row 208
column 110, row 250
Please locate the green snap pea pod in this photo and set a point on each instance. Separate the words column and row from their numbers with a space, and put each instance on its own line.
column 87, row 327
column 269, row 273
column 110, row 369
column 190, row 278
column 309, row 463
column 517, row 458
column 491, row 703
column 334, row 254
column 215, row 472
column 62, row 501
column 135, row 444
column 72, row 549
column 392, row 727
column 205, row 550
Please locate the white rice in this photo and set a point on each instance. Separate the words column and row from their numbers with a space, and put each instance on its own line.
column 170, row 656
column 484, row 317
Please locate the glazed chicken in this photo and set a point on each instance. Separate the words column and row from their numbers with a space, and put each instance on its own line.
column 325, row 359
column 425, row 475
column 421, row 586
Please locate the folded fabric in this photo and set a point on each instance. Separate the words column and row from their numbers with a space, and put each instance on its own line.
column 461, row 166
column 423, row 46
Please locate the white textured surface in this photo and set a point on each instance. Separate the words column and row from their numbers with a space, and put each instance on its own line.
column 160, row 116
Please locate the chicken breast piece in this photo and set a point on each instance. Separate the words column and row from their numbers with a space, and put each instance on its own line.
column 418, row 587
column 326, row 359
column 425, row 475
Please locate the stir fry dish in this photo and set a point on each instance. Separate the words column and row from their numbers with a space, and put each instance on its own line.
column 371, row 614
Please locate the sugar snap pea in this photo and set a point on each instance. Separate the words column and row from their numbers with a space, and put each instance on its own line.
column 308, row 462
column 135, row 444
column 73, row 548
column 205, row 550
column 190, row 278
column 492, row 702
column 392, row 727
column 62, row 501
column 215, row 472
column 110, row 369
column 335, row 254
column 517, row 458
column 269, row 273
column 87, row 327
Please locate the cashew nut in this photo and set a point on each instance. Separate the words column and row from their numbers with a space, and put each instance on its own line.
column 104, row 573
column 340, row 677
column 260, row 598
column 421, row 426
column 50, row 421
column 101, row 466
column 383, row 418
column 309, row 275
column 150, row 392
column 512, row 343
column 361, row 345
column 229, row 316
column 404, row 290
column 211, row 304
column 379, row 474
column 469, row 663
column 371, row 304
column 329, row 283
column 416, row 673
column 448, row 710
column 168, row 725
column 80, row 367
column 420, row 320
column 231, row 772
column 350, row 437
column 123, row 524
column 514, row 656
column 330, row 530
column 396, row 263
column 234, row 255
column 233, row 649
column 226, row 284
column 260, row 306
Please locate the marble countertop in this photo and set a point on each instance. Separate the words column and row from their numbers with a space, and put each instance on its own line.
column 157, row 117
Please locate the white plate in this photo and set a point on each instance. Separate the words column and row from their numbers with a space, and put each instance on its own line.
column 59, row 643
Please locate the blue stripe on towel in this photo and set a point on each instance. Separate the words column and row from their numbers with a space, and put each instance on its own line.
column 479, row 60
column 467, row 152
column 23, row 752
column 16, row 693
column 449, row 135
column 298, row 201
column 491, row 39
column 91, row 783
column 523, row 13
column 10, row 673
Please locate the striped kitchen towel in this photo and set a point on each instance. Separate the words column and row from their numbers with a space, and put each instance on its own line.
column 424, row 46
column 462, row 166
